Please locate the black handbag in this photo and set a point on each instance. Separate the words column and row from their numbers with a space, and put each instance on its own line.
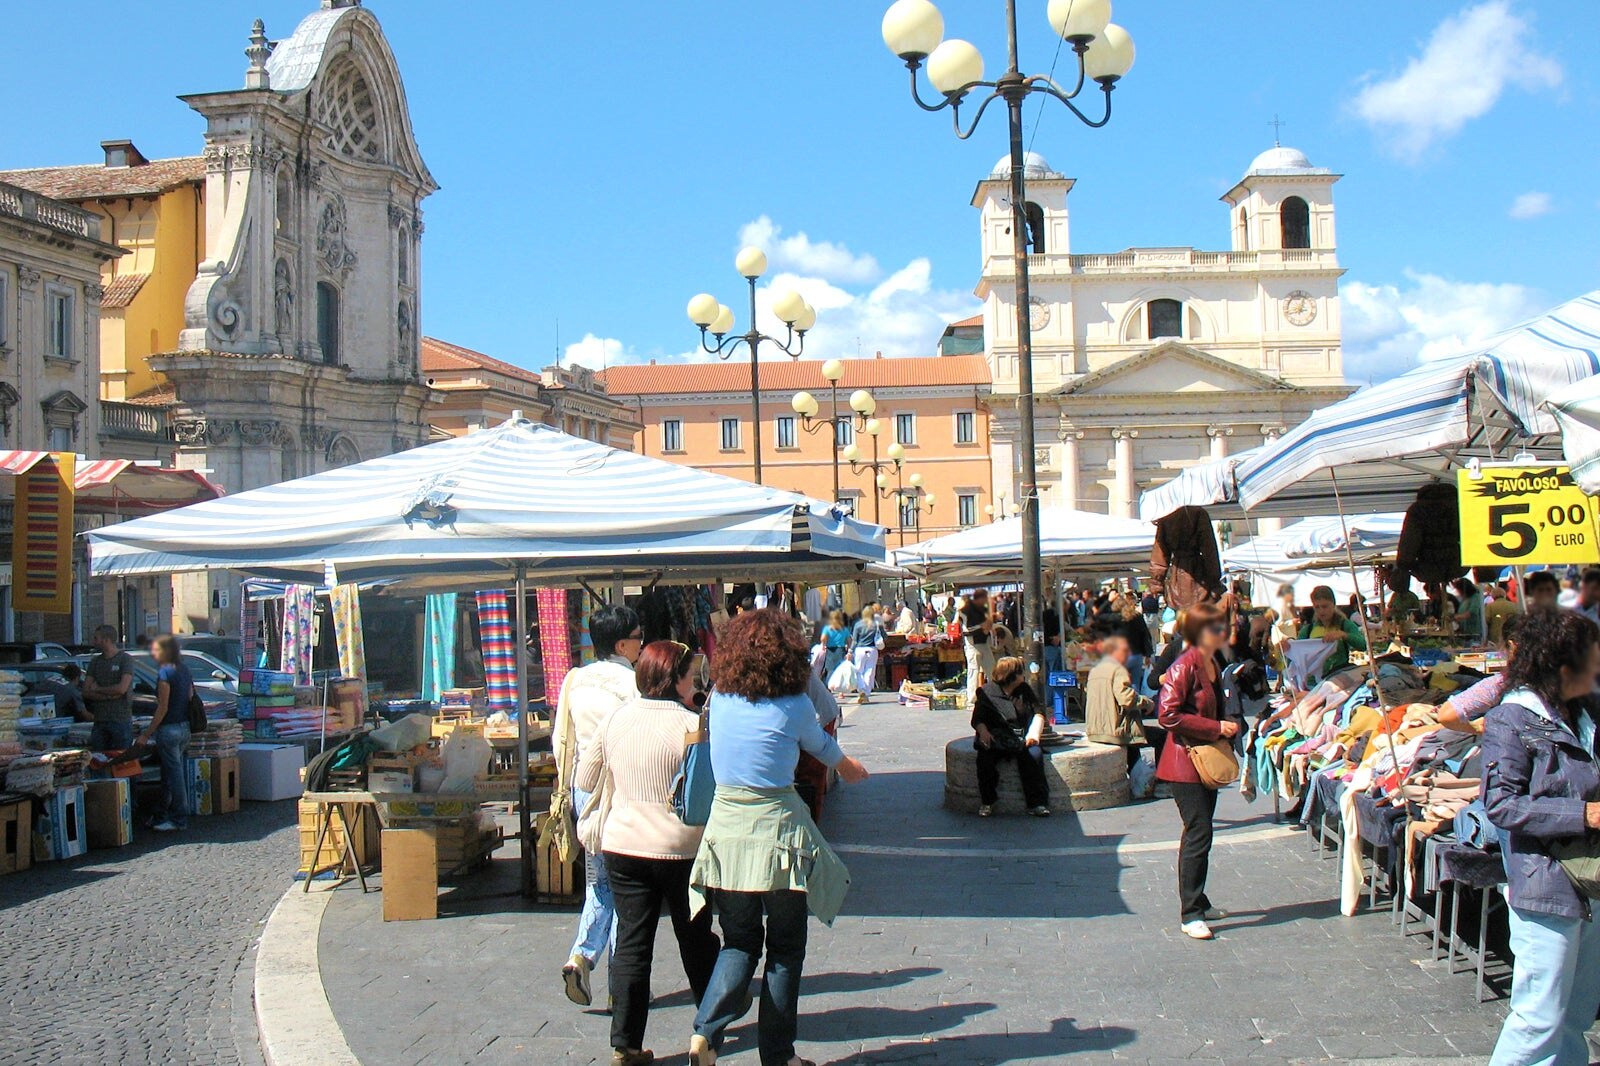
column 197, row 711
column 1006, row 741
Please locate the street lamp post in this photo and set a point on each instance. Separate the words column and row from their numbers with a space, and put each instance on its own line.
column 913, row 501
column 717, row 319
column 880, row 476
column 914, row 31
column 861, row 404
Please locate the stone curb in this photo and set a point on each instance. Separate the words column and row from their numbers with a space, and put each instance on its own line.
column 295, row 1023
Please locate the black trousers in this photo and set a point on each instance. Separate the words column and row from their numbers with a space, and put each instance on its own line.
column 1197, row 806
column 638, row 888
column 1030, row 767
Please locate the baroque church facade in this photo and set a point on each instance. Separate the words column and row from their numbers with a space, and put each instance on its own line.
column 1150, row 360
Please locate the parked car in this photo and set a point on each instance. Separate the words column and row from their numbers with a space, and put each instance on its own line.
column 13, row 652
column 229, row 650
column 216, row 681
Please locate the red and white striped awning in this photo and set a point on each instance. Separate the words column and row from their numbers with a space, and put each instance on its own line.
column 121, row 486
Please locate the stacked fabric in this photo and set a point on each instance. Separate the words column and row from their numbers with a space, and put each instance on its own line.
column 10, row 704
column 219, row 741
column 310, row 721
column 69, row 763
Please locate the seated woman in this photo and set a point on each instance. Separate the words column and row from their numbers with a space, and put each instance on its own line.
column 1008, row 721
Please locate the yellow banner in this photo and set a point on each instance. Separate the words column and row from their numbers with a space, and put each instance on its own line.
column 1516, row 515
column 41, row 543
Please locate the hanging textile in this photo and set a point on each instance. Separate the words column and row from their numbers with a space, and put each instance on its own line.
column 499, row 650
column 555, row 642
column 439, row 645
column 346, row 603
column 299, row 615
column 249, row 629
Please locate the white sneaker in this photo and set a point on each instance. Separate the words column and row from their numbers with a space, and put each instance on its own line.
column 164, row 827
column 985, row 811
column 1197, row 930
column 700, row 1053
column 575, row 975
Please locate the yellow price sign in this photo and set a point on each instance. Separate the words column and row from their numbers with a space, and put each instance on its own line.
column 1514, row 515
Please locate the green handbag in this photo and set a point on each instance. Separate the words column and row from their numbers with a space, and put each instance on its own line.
column 1580, row 858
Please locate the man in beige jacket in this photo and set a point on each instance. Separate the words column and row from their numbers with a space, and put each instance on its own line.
column 1115, row 711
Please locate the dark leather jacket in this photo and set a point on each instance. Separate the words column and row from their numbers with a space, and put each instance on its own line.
column 1190, row 710
column 1537, row 778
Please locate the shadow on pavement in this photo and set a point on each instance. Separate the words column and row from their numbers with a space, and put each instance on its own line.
column 1061, row 1039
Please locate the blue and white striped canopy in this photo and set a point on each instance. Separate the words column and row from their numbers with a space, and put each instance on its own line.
column 1383, row 443
column 1368, row 536
column 467, row 512
column 1577, row 411
column 1068, row 539
column 1208, row 484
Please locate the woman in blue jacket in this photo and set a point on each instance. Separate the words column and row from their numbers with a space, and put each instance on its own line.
column 1541, row 784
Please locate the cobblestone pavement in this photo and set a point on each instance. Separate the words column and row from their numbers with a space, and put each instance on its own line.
column 143, row 954
column 1007, row 941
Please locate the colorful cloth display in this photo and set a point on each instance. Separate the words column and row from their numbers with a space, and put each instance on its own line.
column 499, row 649
column 346, row 603
column 555, row 643
column 299, row 615
column 439, row 645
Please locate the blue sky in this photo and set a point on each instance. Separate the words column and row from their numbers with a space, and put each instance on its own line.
column 600, row 162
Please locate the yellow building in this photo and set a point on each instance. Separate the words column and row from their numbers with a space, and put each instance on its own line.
column 155, row 209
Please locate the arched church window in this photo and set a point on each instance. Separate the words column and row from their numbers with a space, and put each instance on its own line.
column 1163, row 318
column 403, row 257
column 328, row 322
column 349, row 113
column 1035, row 216
column 283, row 207
column 1296, row 218
column 1244, row 230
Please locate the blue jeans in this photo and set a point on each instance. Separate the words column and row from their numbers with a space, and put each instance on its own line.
column 111, row 736
column 172, row 745
column 597, row 925
column 742, row 936
column 1555, row 989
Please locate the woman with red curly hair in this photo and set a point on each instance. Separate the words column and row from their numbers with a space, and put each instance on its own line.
column 762, row 856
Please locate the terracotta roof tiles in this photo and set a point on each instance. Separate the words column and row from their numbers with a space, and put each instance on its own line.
column 442, row 355
column 787, row 376
column 92, row 181
column 123, row 289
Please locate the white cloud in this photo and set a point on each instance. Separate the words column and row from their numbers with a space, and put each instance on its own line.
column 597, row 353
column 1531, row 205
column 1389, row 329
column 1470, row 60
column 798, row 252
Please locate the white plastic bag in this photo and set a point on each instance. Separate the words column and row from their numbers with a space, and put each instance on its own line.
column 405, row 734
column 466, row 755
column 843, row 678
column 1142, row 779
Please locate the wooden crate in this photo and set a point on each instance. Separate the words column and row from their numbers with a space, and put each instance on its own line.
column 555, row 881
column 366, row 843
column 16, row 834
column 410, row 875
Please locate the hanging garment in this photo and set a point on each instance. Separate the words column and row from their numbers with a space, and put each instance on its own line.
column 299, row 612
column 1184, row 558
column 1303, row 661
column 499, row 649
column 439, row 645
column 250, row 643
column 347, row 631
column 555, row 640
column 1430, row 539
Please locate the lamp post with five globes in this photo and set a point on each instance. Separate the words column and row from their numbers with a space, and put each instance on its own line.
column 861, row 403
column 880, row 476
column 717, row 320
column 914, row 31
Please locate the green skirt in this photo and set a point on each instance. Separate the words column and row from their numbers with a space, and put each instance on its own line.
column 763, row 840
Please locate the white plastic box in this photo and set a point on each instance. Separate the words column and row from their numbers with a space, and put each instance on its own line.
column 270, row 771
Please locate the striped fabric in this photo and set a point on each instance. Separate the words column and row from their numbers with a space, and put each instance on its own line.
column 465, row 511
column 1324, row 538
column 1067, row 538
column 20, row 462
column 1386, row 441
column 555, row 640
column 1577, row 412
column 499, row 649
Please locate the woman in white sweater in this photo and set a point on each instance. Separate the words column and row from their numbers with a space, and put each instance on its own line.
column 648, row 850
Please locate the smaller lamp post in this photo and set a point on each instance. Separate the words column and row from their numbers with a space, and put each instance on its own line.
column 897, row 457
column 862, row 405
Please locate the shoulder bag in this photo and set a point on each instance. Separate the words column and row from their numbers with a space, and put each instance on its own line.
column 1580, row 860
column 592, row 819
column 696, row 784
column 1215, row 763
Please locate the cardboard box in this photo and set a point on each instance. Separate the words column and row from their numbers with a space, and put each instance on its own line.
column 62, row 823
column 270, row 771
column 108, row 814
column 16, row 835
column 381, row 781
column 410, row 875
column 225, row 785
column 200, row 786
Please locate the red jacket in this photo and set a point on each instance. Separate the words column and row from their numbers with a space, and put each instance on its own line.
column 1190, row 710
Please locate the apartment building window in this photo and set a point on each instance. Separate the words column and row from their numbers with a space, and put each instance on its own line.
column 58, row 323
column 905, row 429
column 730, row 434
column 844, row 433
column 672, row 435
column 909, row 512
column 966, row 509
column 849, row 503
column 966, row 427
column 786, row 431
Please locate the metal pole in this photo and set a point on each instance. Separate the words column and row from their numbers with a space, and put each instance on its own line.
column 525, row 815
column 1015, row 90
column 834, row 430
column 753, row 339
column 877, row 495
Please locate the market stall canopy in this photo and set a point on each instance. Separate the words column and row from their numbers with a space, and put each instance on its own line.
column 1369, row 536
column 1385, row 442
column 1067, row 539
column 1267, row 564
column 469, row 512
column 1577, row 412
column 1208, row 484
column 123, row 486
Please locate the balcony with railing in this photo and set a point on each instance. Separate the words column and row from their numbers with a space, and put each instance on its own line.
column 133, row 421
column 1175, row 261
column 31, row 207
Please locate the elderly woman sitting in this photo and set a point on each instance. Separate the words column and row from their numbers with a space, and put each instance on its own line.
column 1009, row 722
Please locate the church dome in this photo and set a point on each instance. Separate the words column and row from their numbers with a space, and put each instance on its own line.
column 1033, row 166
column 1280, row 158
